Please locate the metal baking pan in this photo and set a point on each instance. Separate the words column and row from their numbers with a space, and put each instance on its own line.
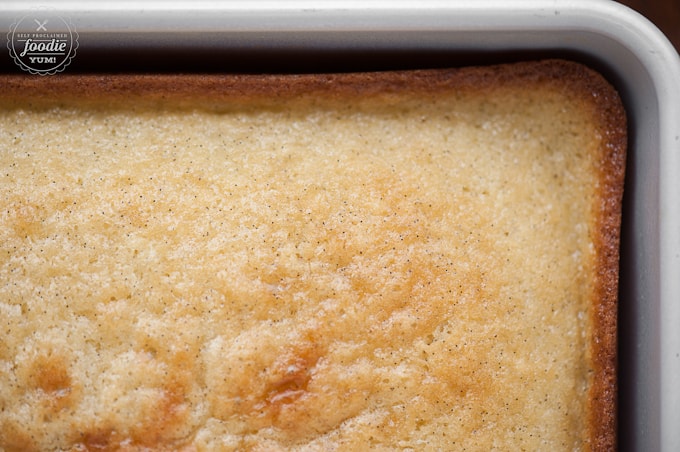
column 299, row 36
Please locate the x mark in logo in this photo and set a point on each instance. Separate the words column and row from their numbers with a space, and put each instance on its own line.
column 41, row 26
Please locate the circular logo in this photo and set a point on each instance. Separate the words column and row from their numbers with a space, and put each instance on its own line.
column 42, row 43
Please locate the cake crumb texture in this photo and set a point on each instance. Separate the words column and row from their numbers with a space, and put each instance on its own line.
column 392, row 268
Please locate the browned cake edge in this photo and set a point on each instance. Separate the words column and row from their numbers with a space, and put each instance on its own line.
column 611, row 114
column 596, row 94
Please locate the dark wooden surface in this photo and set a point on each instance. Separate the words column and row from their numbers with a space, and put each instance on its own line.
column 665, row 14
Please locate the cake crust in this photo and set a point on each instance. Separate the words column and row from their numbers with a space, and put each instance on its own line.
column 390, row 253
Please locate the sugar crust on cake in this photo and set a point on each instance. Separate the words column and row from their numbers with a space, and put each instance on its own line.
column 422, row 260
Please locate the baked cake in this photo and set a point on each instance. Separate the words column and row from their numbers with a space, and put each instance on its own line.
column 419, row 260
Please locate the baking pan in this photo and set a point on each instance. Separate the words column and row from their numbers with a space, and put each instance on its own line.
column 367, row 35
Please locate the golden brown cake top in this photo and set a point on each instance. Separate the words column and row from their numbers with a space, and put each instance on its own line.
column 416, row 260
